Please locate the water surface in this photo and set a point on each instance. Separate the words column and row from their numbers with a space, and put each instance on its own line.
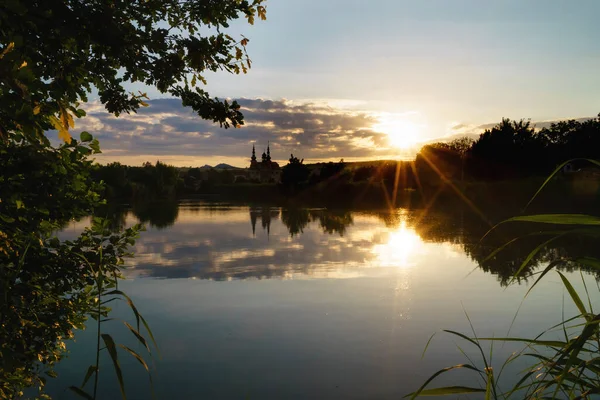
column 265, row 302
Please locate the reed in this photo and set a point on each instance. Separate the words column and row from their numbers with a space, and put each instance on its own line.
column 565, row 368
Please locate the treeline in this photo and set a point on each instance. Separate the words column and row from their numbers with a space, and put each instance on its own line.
column 160, row 181
column 511, row 150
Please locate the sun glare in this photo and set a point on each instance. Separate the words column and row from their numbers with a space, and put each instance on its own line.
column 402, row 133
column 400, row 249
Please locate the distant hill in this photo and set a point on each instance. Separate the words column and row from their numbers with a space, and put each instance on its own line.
column 219, row 166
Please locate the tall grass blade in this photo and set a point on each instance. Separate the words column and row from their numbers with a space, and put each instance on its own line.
column 131, row 305
column 141, row 361
column 488, row 387
column 589, row 299
column 138, row 317
column 463, row 336
column 444, row 391
column 112, row 351
column 80, row 392
column 555, row 343
column 531, row 255
column 543, row 273
column 150, row 334
column 427, row 345
column 556, row 171
column 574, row 296
column 421, row 391
column 573, row 350
column 88, row 375
column 557, row 219
column 139, row 337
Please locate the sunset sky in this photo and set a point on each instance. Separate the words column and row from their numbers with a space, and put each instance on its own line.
column 371, row 79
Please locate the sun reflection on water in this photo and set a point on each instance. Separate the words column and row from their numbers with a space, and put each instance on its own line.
column 401, row 248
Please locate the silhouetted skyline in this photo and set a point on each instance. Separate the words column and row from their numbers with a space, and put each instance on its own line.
column 412, row 70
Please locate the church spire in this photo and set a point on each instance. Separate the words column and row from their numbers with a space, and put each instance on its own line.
column 253, row 159
column 268, row 151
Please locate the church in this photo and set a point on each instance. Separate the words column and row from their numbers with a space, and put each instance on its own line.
column 266, row 170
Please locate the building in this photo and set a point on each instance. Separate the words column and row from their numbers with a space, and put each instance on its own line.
column 266, row 170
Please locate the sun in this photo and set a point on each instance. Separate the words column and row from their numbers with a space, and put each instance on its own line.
column 401, row 133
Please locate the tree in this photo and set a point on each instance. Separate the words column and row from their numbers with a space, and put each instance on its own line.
column 509, row 149
column 53, row 53
column 462, row 146
column 294, row 174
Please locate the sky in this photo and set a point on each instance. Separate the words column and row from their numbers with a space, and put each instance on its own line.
column 358, row 80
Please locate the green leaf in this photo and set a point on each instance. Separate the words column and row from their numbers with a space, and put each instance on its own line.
column 86, row 137
column 95, row 146
column 7, row 219
column 51, row 373
column 112, row 351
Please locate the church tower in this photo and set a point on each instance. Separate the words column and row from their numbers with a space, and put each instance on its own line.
column 268, row 152
column 253, row 158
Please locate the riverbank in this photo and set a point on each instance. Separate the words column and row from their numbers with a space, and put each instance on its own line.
column 501, row 197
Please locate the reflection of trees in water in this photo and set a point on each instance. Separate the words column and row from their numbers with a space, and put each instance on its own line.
column 157, row 214
column 457, row 226
column 295, row 219
column 466, row 229
column 566, row 250
column 115, row 215
column 331, row 221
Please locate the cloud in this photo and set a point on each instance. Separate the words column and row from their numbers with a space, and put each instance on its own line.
column 165, row 130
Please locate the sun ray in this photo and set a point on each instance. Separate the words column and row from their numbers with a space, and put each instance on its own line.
column 460, row 194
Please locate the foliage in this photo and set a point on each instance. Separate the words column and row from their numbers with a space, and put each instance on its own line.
column 41, row 284
column 53, row 53
column 49, row 287
column 330, row 172
column 150, row 182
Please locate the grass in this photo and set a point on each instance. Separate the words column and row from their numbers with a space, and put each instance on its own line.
column 567, row 368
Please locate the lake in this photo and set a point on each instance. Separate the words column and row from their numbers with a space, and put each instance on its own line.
column 266, row 302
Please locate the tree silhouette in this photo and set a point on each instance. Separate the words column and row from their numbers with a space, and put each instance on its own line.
column 294, row 174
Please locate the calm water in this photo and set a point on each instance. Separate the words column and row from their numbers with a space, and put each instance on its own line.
column 262, row 302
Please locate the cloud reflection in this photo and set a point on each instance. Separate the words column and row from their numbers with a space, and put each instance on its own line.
column 278, row 243
column 225, row 242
